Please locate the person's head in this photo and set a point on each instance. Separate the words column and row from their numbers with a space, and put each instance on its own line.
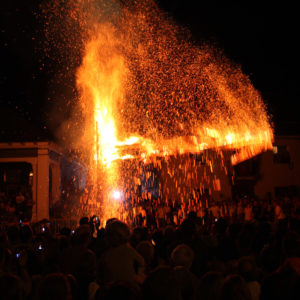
column 269, row 259
column 192, row 215
column 55, row 286
column 117, row 233
column 3, row 236
column 66, row 231
column 182, row 255
column 186, row 281
column 235, row 288
column 169, row 233
column 210, row 286
column 73, row 286
column 294, row 289
column 111, row 220
column 26, row 233
column 234, row 229
column 117, row 290
column 188, row 228
column 139, row 234
column 146, row 250
column 84, row 221
column 86, row 266
column 13, row 234
column 82, row 235
column 291, row 245
column 63, row 242
column 161, row 285
column 10, row 287
column 273, row 287
column 247, row 268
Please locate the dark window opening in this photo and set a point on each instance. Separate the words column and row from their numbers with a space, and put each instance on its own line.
column 281, row 155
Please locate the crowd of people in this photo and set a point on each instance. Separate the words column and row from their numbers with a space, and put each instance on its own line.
column 228, row 250
column 155, row 213
column 16, row 206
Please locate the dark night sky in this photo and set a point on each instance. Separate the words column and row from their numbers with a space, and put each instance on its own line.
column 262, row 39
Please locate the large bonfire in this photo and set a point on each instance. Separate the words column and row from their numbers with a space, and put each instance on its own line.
column 146, row 90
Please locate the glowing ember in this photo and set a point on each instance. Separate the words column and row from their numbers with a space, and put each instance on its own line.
column 117, row 195
column 146, row 90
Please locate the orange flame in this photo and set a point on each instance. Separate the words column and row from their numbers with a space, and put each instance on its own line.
column 147, row 91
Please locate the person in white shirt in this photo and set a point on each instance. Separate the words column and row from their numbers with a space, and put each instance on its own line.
column 121, row 261
column 279, row 214
column 248, row 212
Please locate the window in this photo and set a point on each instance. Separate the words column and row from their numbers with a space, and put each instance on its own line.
column 281, row 154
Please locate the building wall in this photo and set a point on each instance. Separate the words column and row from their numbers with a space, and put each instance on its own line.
column 41, row 156
column 209, row 172
column 280, row 172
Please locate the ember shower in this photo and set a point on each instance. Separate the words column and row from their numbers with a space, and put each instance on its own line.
column 147, row 92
